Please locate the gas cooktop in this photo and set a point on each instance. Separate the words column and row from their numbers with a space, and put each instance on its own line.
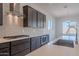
column 16, row 36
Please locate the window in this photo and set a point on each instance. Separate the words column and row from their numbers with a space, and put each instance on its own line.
column 69, row 27
column 49, row 24
column 65, row 26
column 69, row 30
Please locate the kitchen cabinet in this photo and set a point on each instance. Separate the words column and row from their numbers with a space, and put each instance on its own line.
column 18, row 47
column 24, row 46
column 35, row 43
column 15, row 48
column 1, row 13
column 44, row 21
column 29, row 19
column 44, row 39
column 4, row 49
column 41, row 20
column 11, row 6
column 33, row 18
column 39, row 41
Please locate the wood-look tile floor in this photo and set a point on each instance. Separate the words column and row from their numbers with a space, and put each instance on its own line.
column 55, row 50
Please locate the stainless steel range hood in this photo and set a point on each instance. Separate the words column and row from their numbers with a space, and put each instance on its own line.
column 15, row 9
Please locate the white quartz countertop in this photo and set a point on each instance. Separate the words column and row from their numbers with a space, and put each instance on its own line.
column 2, row 40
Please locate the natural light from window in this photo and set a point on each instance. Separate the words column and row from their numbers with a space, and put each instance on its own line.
column 49, row 24
column 69, row 30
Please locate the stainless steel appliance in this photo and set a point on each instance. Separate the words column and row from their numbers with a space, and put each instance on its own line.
column 44, row 40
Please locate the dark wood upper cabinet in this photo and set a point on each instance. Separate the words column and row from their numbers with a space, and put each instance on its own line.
column 11, row 6
column 40, row 20
column 33, row 18
column 1, row 13
column 29, row 17
column 44, row 20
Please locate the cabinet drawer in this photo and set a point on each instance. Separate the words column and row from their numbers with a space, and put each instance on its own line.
column 27, row 40
column 23, row 53
column 19, row 48
column 4, row 45
column 4, row 52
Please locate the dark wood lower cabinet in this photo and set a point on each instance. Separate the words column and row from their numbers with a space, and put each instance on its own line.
column 22, row 47
column 18, row 47
column 38, row 43
column 4, row 52
column 35, row 43
column 4, row 49
column 22, row 53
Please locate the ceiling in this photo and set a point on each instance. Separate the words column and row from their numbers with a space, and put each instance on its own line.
column 61, row 9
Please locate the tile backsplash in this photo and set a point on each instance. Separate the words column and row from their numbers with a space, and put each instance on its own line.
column 12, row 25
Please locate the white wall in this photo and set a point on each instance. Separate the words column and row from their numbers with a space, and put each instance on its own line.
column 58, row 25
column 12, row 25
column 52, row 30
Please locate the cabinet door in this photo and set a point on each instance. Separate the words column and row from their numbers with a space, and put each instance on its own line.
column 34, row 14
column 40, row 20
column 25, row 16
column 44, row 21
column 33, row 44
column 1, row 13
column 23, row 53
column 4, row 52
column 38, row 44
column 4, row 49
column 30, row 17
column 17, row 47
